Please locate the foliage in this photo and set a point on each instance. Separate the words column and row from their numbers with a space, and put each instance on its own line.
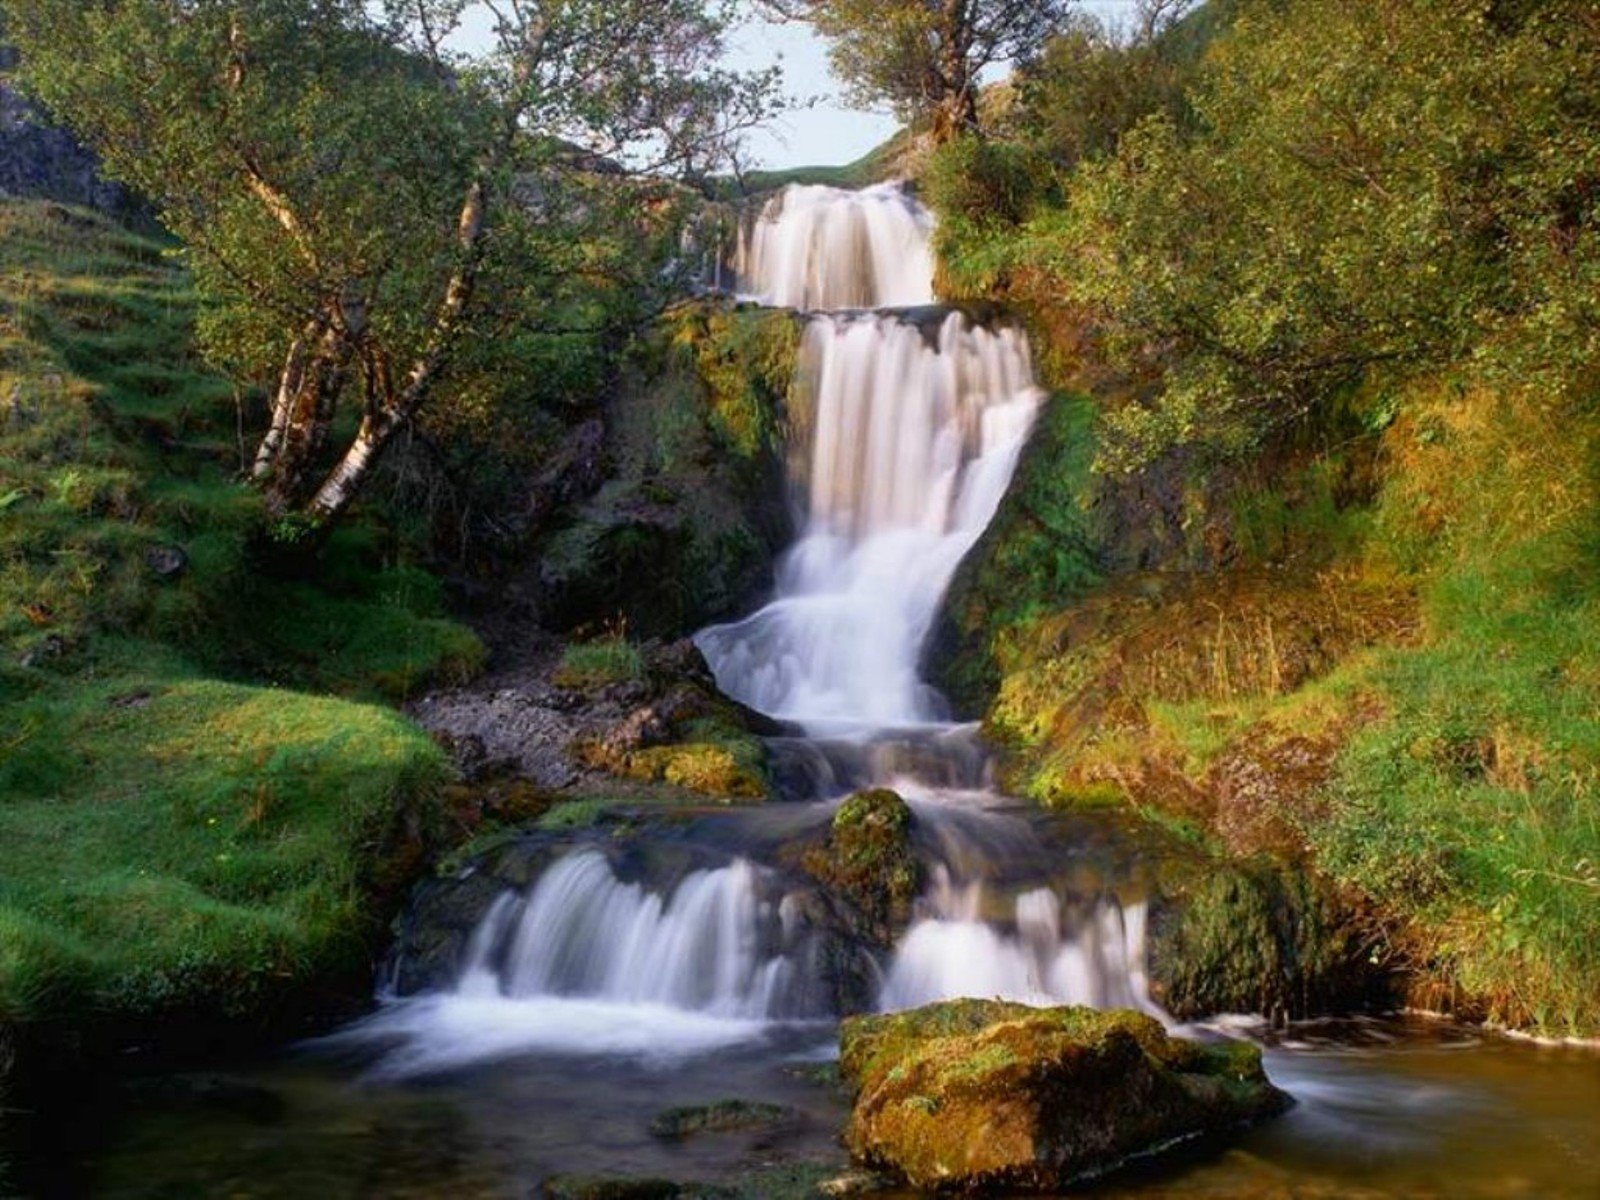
column 1475, row 801
column 1330, row 272
column 597, row 663
column 1093, row 83
column 335, row 171
column 176, row 836
column 924, row 57
column 1355, row 196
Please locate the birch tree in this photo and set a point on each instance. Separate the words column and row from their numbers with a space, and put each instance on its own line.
column 344, row 173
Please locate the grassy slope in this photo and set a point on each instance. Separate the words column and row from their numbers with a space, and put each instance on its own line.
column 1407, row 692
column 184, row 827
column 874, row 166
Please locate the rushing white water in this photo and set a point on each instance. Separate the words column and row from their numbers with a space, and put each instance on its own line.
column 913, row 435
column 815, row 247
column 909, row 426
column 712, row 945
column 1049, row 953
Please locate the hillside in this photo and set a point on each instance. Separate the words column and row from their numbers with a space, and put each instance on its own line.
column 1303, row 561
column 185, row 829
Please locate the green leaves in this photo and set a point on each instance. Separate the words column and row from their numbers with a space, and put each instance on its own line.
column 1346, row 194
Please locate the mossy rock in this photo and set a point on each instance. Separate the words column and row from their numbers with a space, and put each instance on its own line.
column 717, row 771
column 974, row 1095
column 1263, row 938
column 867, row 863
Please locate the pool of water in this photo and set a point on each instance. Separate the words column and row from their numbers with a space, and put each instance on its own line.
column 1385, row 1109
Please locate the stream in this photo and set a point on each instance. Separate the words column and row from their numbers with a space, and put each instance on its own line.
column 612, row 987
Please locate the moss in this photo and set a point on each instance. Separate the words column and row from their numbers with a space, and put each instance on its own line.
column 704, row 767
column 1261, row 937
column 1042, row 550
column 684, row 530
column 207, row 846
column 867, row 862
column 984, row 1095
column 718, row 1117
column 708, row 752
column 575, row 814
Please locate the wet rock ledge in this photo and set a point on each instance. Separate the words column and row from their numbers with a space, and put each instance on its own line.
column 976, row 1096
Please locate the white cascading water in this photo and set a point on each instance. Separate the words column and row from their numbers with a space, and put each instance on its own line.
column 1049, row 955
column 912, row 434
column 820, row 248
column 582, row 932
column 912, row 424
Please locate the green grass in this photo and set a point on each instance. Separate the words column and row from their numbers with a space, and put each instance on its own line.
column 1444, row 647
column 872, row 167
column 185, row 827
column 597, row 663
column 173, row 843
column 1474, row 801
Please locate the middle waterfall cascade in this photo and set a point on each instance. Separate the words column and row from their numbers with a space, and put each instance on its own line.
column 912, row 441
column 910, row 421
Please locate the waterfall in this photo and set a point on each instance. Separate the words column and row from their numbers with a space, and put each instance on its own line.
column 815, row 247
column 913, row 428
column 1052, row 953
column 713, row 944
column 909, row 425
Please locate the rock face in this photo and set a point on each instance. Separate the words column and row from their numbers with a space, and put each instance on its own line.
column 973, row 1095
column 39, row 160
column 661, row 722
column 689, row 503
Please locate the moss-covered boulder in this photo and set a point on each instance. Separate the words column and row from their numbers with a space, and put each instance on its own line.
column 867, row 864
column 1261, row 937
column 694, row 504
column 973, row 1095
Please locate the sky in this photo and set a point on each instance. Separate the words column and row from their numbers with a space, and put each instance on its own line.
column 827, row 133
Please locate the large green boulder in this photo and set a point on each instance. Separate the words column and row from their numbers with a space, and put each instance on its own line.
column 978, row 1095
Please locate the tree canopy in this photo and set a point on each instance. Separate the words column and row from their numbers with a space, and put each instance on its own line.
column 924, row 58
column 369, row 190
column 1327, row 195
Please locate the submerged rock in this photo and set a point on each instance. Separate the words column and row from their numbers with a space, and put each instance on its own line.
column 722, row 1116
column 592, row 1187
column 969, row 1095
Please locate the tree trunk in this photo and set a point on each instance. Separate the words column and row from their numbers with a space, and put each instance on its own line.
column 308, row 395
column 957, row 110
column 345, row 480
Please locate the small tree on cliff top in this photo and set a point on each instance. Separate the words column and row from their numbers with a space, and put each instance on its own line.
column 924, row 57
column 346, row 181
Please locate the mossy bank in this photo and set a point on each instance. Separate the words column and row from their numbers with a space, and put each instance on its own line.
column 206, row 808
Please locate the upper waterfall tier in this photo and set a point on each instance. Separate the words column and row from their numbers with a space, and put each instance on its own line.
column 822, row 248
